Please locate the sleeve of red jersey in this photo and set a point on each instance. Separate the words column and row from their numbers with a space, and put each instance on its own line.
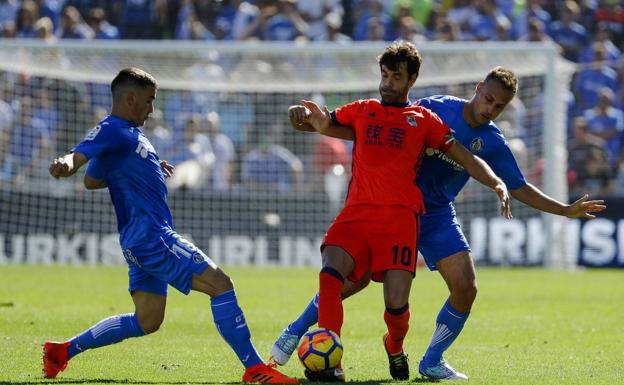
column 344, row 116
column 439, row 135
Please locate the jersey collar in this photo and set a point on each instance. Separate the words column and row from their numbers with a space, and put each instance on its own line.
column 399, row 105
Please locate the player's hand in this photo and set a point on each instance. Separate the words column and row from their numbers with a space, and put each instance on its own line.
column 583, row 208
column 319, row 119
column 503, row 195
column 60, row 168
column 166, row 168
column 298, row 115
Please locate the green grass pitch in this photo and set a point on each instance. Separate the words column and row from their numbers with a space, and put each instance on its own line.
column 528, row 326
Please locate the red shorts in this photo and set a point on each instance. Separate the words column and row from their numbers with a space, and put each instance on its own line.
column 378, row 238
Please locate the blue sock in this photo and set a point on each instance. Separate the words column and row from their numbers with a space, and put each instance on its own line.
column 106, row 332
column 231, row 324
column 306, row 319
column 449, row 324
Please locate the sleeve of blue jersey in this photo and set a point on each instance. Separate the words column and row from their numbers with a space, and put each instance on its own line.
column 94, row 169
column 99, row 143
column 506, row 167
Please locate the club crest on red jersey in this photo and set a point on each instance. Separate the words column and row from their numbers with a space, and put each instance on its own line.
column 411, row 120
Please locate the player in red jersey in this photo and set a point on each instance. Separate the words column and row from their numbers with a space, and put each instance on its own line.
column 376, row 230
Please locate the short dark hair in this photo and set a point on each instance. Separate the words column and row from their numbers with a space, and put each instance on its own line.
column 505, row 77
column 131, row 77
column 401, row 52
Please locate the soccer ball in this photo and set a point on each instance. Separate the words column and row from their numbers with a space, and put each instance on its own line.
column 319, row 350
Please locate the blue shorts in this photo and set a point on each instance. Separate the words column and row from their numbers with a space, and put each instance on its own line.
column 440, row 235
column 171, row 259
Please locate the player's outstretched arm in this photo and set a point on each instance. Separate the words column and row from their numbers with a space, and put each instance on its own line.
column 534, row 197
column 309, row 117
column 67, row 165
column 478, row 169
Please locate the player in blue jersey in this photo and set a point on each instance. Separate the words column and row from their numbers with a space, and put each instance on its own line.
column 441, row 240
column 121, row 158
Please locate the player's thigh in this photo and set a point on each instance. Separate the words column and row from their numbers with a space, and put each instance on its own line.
column 394, row 246
column 149, row 309
column 339, row 259
column 458, row 271
column 440, row 237
column 171, row 259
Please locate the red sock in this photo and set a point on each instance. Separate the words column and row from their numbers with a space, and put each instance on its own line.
column 398, row 325
column 330, row 300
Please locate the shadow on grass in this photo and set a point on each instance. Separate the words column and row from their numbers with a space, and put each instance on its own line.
column 111, row 381
column 418, row 380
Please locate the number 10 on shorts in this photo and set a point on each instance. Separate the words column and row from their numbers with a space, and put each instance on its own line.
column 402, row 255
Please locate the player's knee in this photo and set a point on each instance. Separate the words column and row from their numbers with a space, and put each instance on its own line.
column 395, row 299
column 466, row 289
column 151, row 323
column 222, row 282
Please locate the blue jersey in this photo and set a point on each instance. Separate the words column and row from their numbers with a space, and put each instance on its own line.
column 121, row 155
column 440, row 178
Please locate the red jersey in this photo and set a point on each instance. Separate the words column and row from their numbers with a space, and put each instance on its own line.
column 389, row 143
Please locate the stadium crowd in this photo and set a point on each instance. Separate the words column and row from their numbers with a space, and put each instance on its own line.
column 218, row 149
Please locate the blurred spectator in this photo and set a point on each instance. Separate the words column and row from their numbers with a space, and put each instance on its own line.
column 6, row 112
column 328, row 153
column 179, row 105
column 29, row 139
column 271, row 167
column 589, row 80
column 6, row 160
column 569, row 34
column 593, row 176
column 602, row 40
column 44, row 29
column 333, row 21
column 8, row 30
column 606, row 122
column 517, row 146
column 610, row 14
column 224, row 152
column 533, row 11
column 279, row 21
column 419, row 10
column 245, row 20
column 581, row 143
column 8, row 11
column 192, row 155
column 315, row 13
column 159, row 136
column 143, row 19
column 45, row 110
column 484, row 22
column 238, row 117
column 460, row 14
column 374, row 23
column 406, row 27
column 446, row 31
column 618, row 188
column 73, row 26
column 27, row 15
column 222, row 27
column 536, row 32
column 51, row 9
column 101, row 27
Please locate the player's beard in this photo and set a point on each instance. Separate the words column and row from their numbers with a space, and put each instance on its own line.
column 392, row 96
